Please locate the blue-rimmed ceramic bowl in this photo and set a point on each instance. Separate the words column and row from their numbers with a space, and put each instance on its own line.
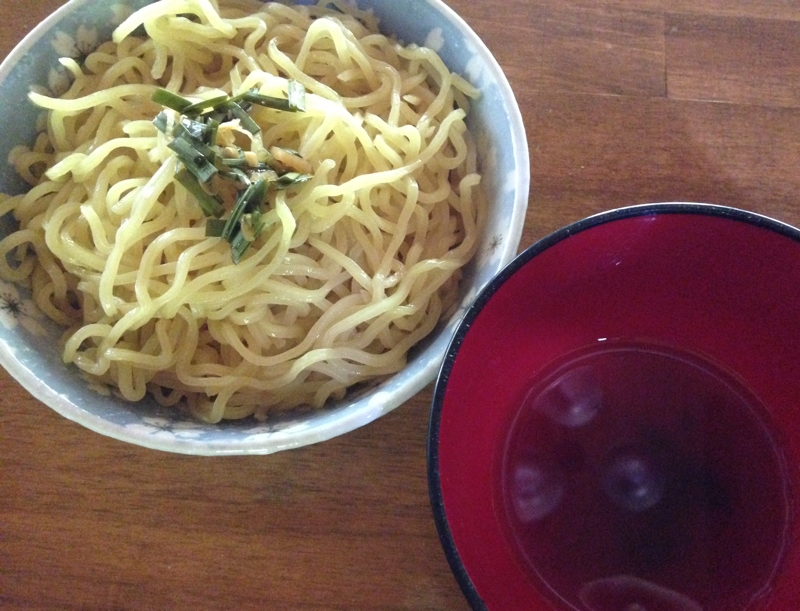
column 28, row 343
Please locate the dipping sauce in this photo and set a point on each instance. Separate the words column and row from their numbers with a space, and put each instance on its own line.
column 637, row 478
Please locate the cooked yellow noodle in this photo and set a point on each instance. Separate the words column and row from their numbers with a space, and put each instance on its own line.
column 354, row 267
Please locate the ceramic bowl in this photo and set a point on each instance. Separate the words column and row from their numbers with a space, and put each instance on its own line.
column 28, row 346
column 520, row 410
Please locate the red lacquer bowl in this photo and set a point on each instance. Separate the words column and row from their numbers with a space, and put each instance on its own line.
column 711, row 281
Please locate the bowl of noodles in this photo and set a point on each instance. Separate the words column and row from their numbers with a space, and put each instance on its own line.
column 236, row 227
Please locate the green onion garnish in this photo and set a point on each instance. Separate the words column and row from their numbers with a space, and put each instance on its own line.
column 290, row 179
column 215, row 227
column 211, row 103
column 268, row 101
column 193, row 137
column 170, row 100
column 239, row 113
column 194, row 161
column 238, row 176
column 252, row 225
column 250, row 200
column 213, row 128
column 195, row 129
column 238, row 247
column 236, row 162
column 161, row 121
column 210, row 205
column 181, row 132
column 295, row 102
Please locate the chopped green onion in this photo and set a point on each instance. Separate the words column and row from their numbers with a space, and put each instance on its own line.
column 215, row 104
column 246, row 120
column 211, row 103
column 267, row 173
column 170, row 100
column 194, row 161
column 214, row 228
column 194, row 140
column 248, row 201
column 252, row 225
column 296, row 101
column 268, row 101
column 290, row 179
column 239, row 246
column 161, row 122
column 240, row 177
column 242, row 96
column 196, row 129
column 182, row 133
column 213, row 128
column 238, row 162
column 209, row 204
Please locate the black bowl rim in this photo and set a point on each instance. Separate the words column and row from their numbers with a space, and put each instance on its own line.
column 434, row 482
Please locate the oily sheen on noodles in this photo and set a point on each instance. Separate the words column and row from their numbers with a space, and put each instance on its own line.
column 352, row 267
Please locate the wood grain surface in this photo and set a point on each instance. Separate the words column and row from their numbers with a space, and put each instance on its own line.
column 624, row 102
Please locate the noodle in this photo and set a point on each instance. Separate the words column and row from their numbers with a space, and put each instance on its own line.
column 352, row 268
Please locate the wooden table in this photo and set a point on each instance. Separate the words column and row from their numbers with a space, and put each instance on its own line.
column 625, row 102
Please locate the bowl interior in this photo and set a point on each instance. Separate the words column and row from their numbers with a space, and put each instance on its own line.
column 709, row 281
column 29, row 350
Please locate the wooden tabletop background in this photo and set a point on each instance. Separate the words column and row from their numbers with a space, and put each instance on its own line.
column 624, row 102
